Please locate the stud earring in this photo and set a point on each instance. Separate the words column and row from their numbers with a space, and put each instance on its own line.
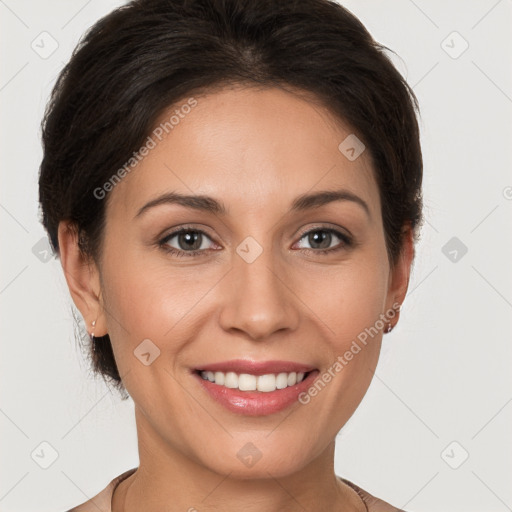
column 389, row 328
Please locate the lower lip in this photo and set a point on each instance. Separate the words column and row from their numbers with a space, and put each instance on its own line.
column 256, row 403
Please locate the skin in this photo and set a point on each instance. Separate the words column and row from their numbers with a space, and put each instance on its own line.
column 255, row 150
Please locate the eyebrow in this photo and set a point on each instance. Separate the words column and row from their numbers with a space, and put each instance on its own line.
column 210, row 205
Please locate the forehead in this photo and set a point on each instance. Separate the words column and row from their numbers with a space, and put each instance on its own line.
column 258, row 147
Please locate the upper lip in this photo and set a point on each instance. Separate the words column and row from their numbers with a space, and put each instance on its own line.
column 256, row 367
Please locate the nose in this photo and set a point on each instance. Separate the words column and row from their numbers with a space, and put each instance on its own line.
column 258, row 298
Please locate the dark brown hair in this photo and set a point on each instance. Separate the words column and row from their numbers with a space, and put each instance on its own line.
column 147, row 55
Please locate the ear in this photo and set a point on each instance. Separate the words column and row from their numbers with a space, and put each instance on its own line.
column 400, row 273
column 82, row 277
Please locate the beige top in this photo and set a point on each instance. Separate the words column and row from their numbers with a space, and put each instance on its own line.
column 102, row 501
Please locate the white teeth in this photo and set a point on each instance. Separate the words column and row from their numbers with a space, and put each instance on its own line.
column 282, row 380
column 267, row 383
column 247, row 382
column 230, row 380
column 292, row 379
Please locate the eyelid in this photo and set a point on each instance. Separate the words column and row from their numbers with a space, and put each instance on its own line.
column 183, row 227
column 327, row 227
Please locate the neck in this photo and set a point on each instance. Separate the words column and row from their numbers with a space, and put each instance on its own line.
column 168, row 476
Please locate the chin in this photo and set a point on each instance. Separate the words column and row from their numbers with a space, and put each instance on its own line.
column 260, row 458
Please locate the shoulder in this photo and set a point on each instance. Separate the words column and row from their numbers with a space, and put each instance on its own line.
column 372, row 503
column 102, row 501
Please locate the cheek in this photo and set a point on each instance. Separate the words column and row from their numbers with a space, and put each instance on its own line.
column 349, row 301
column 146, row 299
column 362, row 294
column 349, row 298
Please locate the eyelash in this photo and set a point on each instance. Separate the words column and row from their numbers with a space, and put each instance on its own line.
column 347, row 242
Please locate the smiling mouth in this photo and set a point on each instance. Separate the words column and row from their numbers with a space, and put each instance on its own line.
column 248, row 382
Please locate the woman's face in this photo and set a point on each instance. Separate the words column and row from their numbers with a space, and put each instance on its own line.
column 258, row 287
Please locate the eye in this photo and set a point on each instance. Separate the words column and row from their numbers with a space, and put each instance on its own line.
column 322, row 238
column 189, row 241
column 193, row 242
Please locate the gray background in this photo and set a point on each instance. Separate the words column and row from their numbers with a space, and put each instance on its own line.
column 442, row 391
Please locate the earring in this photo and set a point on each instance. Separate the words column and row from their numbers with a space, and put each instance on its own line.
column 91, row 335
column 389, row 328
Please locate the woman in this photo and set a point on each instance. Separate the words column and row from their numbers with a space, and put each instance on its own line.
column 234, row 191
